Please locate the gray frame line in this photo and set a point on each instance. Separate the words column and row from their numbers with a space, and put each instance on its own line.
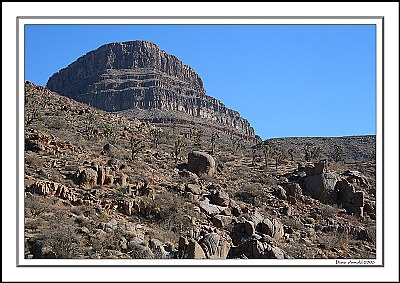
column 17, row 144
column 194, row 17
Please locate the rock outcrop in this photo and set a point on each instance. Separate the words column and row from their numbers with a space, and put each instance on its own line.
column 138, row 75
column 322, row 187
column 201, row 163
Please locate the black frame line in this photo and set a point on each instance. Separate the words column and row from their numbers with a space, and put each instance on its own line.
column 202, row 17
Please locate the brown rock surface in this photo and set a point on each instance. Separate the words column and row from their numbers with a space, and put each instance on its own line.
column 138, row 74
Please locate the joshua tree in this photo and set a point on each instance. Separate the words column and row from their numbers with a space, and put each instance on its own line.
column 267, row 150
column 197, row 138
column 156, row 135
column 254, row 155
column 178, row 145
column 316, row 152
column 290, row 151
column 173, row 127
column 108, row 132
column 233, row 143
column 214, row 137
column 32, row 116
column 311, row 151
column 307, row 151
column 90, row 131
column 136, row 147
column 279, row 156
column 337, row 154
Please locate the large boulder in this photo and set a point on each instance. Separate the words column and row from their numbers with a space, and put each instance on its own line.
column 313, row 169
column 210, row 209
column 355, row 177
column 292, row 189
column 249, row 227
column 221, row 221
column 272, row 228
column 346, row 191
column 273, row 252
column 215, row 246
column 319, row 167
column 194, row 189
column 256, row 249
column 359, row 199
column 194, row 250
column 86, row 177
column 201, row 163
column 219, row 197
column 256, row 218
column 322, row 187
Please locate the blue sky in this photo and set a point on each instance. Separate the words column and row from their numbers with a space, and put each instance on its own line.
column 287, row 80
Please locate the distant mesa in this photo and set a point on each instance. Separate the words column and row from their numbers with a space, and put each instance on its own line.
column 138, row 75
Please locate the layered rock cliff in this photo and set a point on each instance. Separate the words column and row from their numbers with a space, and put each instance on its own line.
column 138, row 75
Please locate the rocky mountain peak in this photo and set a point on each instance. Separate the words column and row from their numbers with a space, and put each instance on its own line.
column 139, row 75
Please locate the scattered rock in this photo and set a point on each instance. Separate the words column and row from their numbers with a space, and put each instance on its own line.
column 280, row 193
column 188, row 174
column 219, row 197
column 236, row 211
column 221, row 221
column 357, row 178
column 158, row 249
column 210, row 209
column 109, row 179
column 194, row 189
column 272, row 228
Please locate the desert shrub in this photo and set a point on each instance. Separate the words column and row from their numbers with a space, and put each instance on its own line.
column 140, row 251
column 35, row 224
column 172, row 212
column 371, row 231
column 34, row 160
column 209, row 178
column 63, row 241
column 309, row 220
column 329, row 211
column 36, row 205
column 251, row 194
column 293, row 223
column 57, row 123
column 226, row 158
column 103, row 242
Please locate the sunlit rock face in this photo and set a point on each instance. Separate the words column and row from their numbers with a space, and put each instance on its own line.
column 138, row 75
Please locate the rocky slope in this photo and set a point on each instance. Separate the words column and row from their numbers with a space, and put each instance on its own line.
column 355, row 148
column 138, row 75
column 101, row 185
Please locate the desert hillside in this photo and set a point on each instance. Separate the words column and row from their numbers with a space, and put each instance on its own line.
column 106, row 185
